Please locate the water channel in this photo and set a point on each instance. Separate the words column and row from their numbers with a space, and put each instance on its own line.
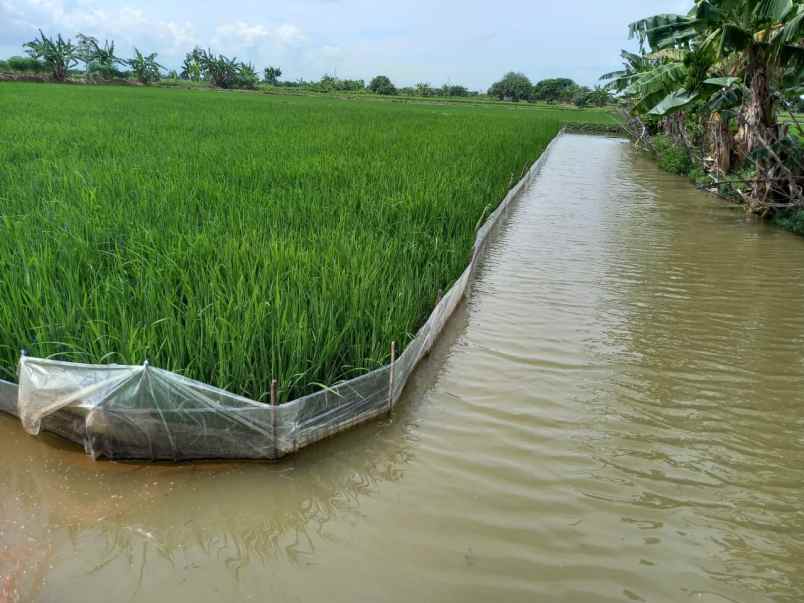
column 615, row 414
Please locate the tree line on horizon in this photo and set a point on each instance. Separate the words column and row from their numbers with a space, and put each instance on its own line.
column 60, row 58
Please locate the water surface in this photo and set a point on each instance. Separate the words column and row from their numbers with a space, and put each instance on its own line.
column 616, row 414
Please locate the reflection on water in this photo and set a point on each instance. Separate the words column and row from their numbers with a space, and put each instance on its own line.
column 616, row 415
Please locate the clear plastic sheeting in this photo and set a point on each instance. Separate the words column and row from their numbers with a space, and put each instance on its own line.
column 142, row 412
column 8, row 397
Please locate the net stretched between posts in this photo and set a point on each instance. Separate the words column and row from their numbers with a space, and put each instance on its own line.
column 143, row 412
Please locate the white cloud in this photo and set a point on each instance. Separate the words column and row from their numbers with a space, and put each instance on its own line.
column 127, row 26
column 240, row 35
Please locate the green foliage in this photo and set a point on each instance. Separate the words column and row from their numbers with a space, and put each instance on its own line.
column 792, row 220
column 144, row 67
column 424, row 89
column 581, row 98
column 236, row 238
column 513, row 86
column 191, row 68
column 671, row 157
column 223, row 72
column 100, row 61
column 105, row 72
column 272, row 75
column 26, row 65
column 633, row 65
column 699, row 177
column 247, row 76
column 716, row 31
column 330, row 83
column 599, row 97
column 556, row 90
column 382, row 85
column 59, row 55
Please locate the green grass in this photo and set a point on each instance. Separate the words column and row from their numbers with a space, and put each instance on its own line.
column 239, row 237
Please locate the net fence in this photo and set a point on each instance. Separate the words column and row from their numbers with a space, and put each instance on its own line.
column 143, row 412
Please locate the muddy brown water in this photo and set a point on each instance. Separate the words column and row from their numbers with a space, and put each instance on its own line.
column 616, row 414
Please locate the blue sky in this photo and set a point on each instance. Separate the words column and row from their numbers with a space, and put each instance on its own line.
column 465, row 42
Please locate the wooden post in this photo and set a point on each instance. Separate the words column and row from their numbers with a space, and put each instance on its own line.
column 391, row 377
column 273, row 393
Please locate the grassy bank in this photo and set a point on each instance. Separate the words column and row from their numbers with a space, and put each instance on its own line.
column 240, row 237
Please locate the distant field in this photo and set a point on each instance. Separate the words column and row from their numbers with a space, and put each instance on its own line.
column 239, row 237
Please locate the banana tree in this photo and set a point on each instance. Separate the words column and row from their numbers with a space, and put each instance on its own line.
column 765, row 35
column 635, row 65
column 97, row 58
column 59, row 55
column 145, row 67
column 192, row 68
column 221, row 71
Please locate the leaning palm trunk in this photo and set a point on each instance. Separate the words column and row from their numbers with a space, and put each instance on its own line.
column 675, row 127
column 758, row 128
column 720, row 143
column 759, row 118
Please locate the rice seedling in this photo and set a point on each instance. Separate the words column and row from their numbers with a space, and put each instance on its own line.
column 236, row 238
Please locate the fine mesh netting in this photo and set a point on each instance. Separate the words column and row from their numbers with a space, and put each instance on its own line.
column 143, row 412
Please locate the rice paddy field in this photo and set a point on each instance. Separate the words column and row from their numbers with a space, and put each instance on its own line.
column 235, row 238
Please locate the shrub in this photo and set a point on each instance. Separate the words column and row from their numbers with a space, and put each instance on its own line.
column 271, row 75
column 513, row 86
column 105, row 72
column 144, row 67
column 671, row 157
column 382, row 85
column 792, row 220
column 26, row 65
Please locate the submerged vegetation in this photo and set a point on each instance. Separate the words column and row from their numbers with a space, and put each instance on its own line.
column 240, row 238
column 713, row 94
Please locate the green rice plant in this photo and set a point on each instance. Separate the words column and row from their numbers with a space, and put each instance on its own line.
column 236, row 238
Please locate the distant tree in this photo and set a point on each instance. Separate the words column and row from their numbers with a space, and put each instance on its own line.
column 59, row 55
column 173, row 74
column 247, row 76
column 26, row 64
column 192, row 68
column 599, row 97
column 96, row 58
column 144, row 67
column 221, row 71
column 272, row 75
column 514, row 86
column 581, row 98
column 457, row 91
column 555, row 90
column 382, row 85
column 424, row 89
